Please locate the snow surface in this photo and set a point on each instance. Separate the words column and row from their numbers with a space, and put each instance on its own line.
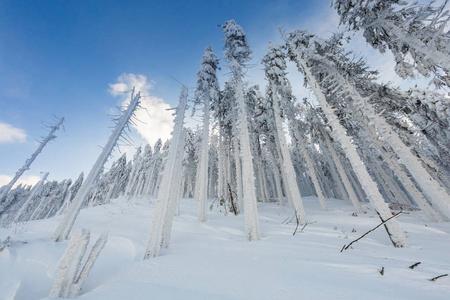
column 214, row 260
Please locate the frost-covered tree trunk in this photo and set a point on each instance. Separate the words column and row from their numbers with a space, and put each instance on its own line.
column 289, row 178
column 409, row 185
column 207, row 92
column 69, row 265
column 221, row 185
column 88, row 265
column 311, row 169
column 170, row 182
column 238, row 53
column 175, row 193
column 343, row 175
column 73, row 268
column 337, row 181
column 431, row 187
column 238, row 171
column 396, row 235
column 51, row 136
column 63, row 230
column 248, row 177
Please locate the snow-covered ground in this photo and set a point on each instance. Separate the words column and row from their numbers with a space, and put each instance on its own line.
column 213, row 260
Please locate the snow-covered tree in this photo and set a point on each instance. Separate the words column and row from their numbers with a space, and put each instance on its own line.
column 416, row 34
column 280, row 93
column 302, row 52
column 237, row 53
column 170, row 185
column 207, row 92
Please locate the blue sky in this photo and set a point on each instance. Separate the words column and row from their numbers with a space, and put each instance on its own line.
column 59, row 57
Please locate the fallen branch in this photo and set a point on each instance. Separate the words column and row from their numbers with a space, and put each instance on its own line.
column 298, row 223
column 437, row 277
column 303, row 227
column 414, row 265
column 345, row 247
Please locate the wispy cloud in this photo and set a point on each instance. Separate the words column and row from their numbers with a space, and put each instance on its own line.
column 154, row 119
column 11, row 134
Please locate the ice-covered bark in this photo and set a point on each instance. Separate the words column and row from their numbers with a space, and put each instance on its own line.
column 313, row 175
column 63, row 230
column 237, row 53
column 69, row 265
column 238, row 171
column 410, row 186
column 170, row 182
column 81, row 277
column 343, row 175
column 73, row 268
column 281, row 96
column 290, row 182
column 206, row 93
column 300, row 56
column 51, row 136
column 431, row 187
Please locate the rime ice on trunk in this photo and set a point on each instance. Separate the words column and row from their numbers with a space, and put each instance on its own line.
column 207, row 92
column 63, row 230
column 290, row 182
column 201, row 182
column 396, row 235
column 73, row 268
column 238, row 53
column 168, row 192
column 343, row 175
column 431, row 187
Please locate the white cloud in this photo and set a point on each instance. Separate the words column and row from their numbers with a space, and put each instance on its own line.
column 28, row 180
column 154, row 119
column 11, row 134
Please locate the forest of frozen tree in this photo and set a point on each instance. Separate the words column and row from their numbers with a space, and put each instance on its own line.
column 381, row 150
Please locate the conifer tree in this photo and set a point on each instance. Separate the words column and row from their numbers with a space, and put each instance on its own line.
column 415, row 30
column 207, row 92
column 237, row 53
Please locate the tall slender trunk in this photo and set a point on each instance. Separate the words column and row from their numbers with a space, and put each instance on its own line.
column 170, row 182
column 63, row 230
column 50, row 136
column 201, row 182
column 248, row 176
column 287, row 169
column 395, row 233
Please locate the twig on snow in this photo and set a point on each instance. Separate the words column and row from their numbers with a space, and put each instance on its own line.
column 437, row 277
column 414, row 265
column 345, row 247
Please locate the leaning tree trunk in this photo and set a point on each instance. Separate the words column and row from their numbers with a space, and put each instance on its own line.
column 431, row 187
column 170, row 182
column 287, row 169
column 396, row 235
column 51, row 136
column 63, row 230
